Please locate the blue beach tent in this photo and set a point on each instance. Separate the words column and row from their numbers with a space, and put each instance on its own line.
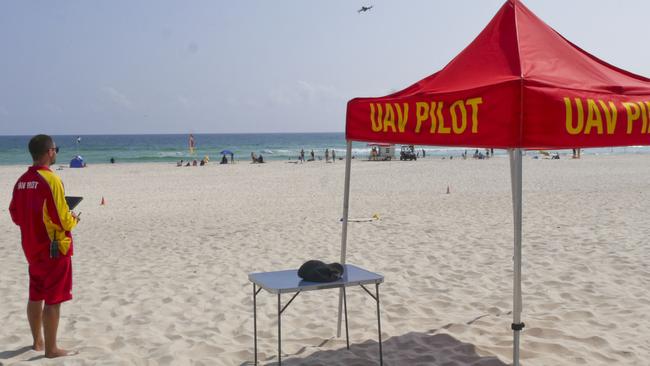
column 77, row 162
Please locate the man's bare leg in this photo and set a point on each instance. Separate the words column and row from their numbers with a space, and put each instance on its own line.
column 35, row 317
column 50, row 325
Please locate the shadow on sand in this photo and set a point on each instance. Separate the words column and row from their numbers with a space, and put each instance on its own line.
column 413, row 349
column 5, row 355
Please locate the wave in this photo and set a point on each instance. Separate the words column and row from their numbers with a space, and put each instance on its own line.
column 171, row 148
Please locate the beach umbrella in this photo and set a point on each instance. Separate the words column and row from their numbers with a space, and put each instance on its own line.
column 226, row 152
column 519, row 85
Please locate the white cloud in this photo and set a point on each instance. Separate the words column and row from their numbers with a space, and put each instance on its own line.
column 117, row 97
column 52, row 108
column 303, row 92
column 283, row 96
column 231, row 101
column 315, row 92
column 185, row 102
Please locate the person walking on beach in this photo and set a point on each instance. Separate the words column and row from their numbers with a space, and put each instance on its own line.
column 302, row 156
column 312, row 155
column 39, row 208
column 327, row 155
column 333, row 156
column 576, row 153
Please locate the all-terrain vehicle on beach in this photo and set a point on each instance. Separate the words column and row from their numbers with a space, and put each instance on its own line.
column 408, row 153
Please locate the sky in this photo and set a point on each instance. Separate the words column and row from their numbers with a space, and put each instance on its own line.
column 252, row 66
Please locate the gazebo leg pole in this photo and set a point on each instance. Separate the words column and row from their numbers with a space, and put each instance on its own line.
column 344, row 230
column 516, row 177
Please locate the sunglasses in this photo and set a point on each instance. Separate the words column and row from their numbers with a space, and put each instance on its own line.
column 56, row 149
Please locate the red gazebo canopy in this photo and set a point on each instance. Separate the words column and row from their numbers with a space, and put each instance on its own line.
column 519, row 84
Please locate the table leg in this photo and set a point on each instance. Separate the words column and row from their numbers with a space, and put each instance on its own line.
column 279, row 332
column 255, row 320
column 345, row 307
column 381, row 356
column 338, row 321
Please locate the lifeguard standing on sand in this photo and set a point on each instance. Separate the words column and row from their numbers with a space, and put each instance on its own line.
column 39, row 207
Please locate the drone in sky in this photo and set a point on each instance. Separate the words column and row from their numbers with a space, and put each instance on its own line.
column 364, row 9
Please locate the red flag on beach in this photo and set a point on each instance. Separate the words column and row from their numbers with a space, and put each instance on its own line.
column 519, row 84
column 191, row 143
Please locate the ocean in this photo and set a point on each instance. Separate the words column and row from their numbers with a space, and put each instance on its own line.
column 173, row 147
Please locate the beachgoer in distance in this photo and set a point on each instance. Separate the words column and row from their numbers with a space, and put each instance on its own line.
column 576, row 153
column 39, row 208
column 232, row 158
column 224, row 159
column 253, row 157
column 260, row 159
column 333, row 156
column 312, row 155
column 327, row 155
column 302, row 155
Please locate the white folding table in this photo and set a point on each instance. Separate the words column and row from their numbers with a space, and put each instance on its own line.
column 282, row 282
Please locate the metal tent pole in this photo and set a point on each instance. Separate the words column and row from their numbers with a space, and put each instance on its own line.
column 516, row 179
column 344, row 231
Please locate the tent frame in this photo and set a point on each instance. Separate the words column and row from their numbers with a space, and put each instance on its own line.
column 516, row 181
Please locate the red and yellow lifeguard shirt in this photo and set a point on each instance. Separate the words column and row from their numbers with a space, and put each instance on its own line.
column 38, row 206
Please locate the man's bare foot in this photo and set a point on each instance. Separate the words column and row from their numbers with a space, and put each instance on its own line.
column 38, row 345
column 58, row 352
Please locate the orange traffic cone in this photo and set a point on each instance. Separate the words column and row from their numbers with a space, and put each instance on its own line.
column 103, row 201
column 448, row 191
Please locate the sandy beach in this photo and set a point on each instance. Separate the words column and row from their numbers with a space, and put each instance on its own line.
column 160, row 271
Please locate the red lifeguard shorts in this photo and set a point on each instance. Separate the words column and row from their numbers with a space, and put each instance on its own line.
column 51, row 280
